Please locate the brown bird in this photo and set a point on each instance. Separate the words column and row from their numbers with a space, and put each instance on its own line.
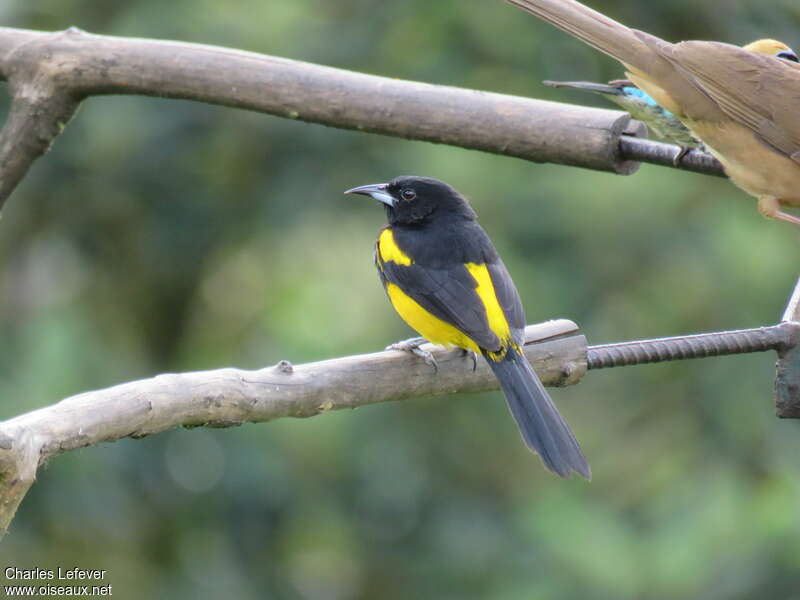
column 740, row 103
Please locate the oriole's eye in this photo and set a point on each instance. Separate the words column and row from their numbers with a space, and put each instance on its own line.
column 408, row 194
column 788, row 55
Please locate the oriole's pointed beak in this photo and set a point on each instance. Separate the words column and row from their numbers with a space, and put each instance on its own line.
column 376, row 190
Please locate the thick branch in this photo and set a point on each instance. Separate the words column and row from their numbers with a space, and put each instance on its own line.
column 72, row 65
column 228, row 397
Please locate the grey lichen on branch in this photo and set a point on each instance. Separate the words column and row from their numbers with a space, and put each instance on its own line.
column 230, row 397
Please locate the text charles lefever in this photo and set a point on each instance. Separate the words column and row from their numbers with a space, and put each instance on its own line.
column 73, row 574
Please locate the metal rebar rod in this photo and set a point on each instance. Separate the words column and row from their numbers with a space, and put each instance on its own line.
column 792, row 312
column 743, row 341
column 657, row 153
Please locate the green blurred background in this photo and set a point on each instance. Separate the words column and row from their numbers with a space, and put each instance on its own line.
column 163, row 235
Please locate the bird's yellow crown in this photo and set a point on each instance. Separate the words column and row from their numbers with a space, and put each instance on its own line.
column 767, row 46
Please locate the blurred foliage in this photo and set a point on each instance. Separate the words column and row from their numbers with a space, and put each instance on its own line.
column 165, row 235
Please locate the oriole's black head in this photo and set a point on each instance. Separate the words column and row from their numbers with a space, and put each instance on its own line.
column 416, row 200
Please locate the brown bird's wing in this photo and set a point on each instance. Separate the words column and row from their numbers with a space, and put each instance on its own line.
column 755, row 90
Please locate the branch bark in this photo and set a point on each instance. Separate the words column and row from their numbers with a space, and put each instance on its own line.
column 36, row 117
column 229, row 397
column 50, row 73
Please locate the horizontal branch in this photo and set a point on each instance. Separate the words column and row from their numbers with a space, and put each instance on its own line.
column 229, row 397
column 52, row 72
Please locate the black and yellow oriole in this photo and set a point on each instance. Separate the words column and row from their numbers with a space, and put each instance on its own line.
column 446, row 280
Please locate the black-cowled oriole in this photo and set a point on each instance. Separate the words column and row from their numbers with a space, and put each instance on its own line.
column 446, row 280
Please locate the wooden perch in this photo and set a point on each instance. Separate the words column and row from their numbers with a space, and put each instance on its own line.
column 228, row 397
column 49, row 74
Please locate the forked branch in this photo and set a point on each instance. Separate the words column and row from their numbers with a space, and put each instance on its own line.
column 49, row 73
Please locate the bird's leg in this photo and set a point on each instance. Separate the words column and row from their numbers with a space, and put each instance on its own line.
column 683, row 151
column 770, row 207
column 473, row 356
column 412, row 345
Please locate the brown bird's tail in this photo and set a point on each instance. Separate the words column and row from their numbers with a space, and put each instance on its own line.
column 596, row 29
column 541, row 425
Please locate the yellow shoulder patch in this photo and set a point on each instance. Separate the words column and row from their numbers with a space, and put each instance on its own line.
column 388, row 249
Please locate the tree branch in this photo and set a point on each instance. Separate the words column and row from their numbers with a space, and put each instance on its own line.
column 36, row 117
column 229, row 397
column 50, row 73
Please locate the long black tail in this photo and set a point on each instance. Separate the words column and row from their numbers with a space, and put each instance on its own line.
column 543, row 428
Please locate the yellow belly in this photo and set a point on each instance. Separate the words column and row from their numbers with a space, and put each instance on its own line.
column 429, row 326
